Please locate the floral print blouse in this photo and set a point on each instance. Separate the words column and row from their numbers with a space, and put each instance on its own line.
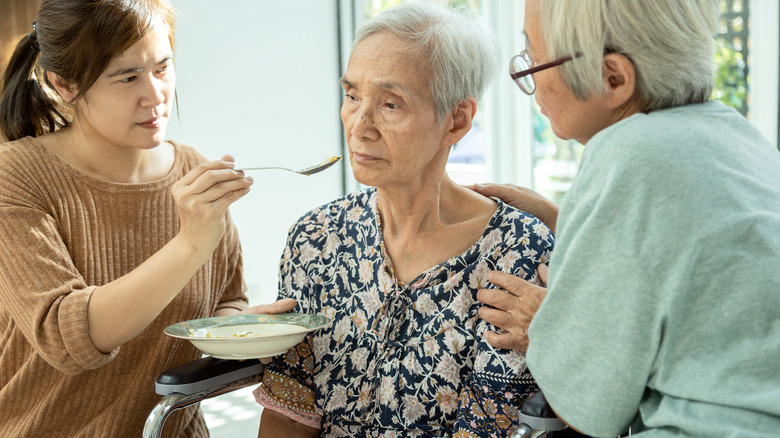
column 399, row 359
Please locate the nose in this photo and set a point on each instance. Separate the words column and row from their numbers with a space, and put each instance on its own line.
column 363, row 124
column 154, row 93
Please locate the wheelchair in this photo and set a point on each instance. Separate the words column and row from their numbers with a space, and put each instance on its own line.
column 201, row 379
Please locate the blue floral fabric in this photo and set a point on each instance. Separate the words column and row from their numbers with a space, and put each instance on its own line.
column 400, row 360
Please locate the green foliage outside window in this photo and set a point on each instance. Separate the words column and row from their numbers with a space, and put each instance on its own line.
column 730, row 80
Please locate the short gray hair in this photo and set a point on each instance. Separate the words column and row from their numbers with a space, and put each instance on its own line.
column 670, row 43
column 462, row 50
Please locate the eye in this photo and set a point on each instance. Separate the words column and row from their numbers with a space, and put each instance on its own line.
column 350, row 97
column 128, row 79
column 163, row 68
column 391, row 105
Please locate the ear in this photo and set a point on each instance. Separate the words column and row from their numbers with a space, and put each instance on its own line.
column 460, row 120
column 66, row 90
column 620, row 79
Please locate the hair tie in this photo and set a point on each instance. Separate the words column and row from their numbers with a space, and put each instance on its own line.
column 34, row 34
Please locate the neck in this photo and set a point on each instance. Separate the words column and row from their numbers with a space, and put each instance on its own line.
column 429, row 226
column 106, row 161
column 409, row 212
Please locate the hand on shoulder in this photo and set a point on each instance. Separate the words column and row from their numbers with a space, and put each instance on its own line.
column 522, row 198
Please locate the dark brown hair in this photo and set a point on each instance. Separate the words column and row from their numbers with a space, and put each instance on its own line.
column 75, row 39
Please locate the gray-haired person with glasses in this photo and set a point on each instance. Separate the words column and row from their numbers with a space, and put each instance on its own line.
column 661, row 313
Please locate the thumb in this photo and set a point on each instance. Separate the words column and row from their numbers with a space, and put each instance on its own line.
column 542, row 272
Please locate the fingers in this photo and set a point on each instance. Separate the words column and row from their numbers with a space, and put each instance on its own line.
column 510, row 309
column 203, row 196
column 199, row 170
column 500, row 191
column 508, row 341
column 280, row 306
column 497, row 298
column 524, row 199
column 215, row 182
column 497, row 317
column 516, row 295
column 511, row 283
column 542, row 271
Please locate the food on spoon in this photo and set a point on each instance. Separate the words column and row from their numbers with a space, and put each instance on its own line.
column 330, row 160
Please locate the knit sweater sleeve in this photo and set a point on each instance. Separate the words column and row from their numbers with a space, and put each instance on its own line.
column 40, row 287
column 234, row 294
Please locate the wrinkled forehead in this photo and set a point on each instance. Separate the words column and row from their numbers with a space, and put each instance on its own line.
column 387, row 62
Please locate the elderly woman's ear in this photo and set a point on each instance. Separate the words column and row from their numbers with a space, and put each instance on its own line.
column 620, row 80
column 461, row 117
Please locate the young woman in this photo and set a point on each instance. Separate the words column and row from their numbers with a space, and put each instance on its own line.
column 108, row 233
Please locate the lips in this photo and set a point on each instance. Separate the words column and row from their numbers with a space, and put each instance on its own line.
column 363, row 158
column 152, row 123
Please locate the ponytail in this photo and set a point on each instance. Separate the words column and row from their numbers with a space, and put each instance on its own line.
column 26, row 109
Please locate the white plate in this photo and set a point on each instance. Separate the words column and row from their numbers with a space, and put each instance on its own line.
column 228, row 337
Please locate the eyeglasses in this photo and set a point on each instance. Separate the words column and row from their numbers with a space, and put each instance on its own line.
column 521, row 70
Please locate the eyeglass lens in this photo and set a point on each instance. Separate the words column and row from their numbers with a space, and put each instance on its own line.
column 519, row 63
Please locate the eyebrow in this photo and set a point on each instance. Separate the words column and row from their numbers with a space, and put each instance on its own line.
column 390, row 86
column 125, row 71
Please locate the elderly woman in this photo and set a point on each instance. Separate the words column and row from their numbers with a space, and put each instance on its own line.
column 662, row 312
column 397, row 266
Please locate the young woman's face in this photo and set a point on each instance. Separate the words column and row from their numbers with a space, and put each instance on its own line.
column 389, row 114
column 130, row 103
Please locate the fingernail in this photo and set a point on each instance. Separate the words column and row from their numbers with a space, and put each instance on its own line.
column 249, row 179
column 490, row 276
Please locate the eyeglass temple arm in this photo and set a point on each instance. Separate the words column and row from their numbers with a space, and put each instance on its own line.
column 533, row 70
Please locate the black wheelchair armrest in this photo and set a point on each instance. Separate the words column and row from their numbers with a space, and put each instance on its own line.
column 203, row 374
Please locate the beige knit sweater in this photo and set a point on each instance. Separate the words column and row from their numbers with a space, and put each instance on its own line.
column 62, row 234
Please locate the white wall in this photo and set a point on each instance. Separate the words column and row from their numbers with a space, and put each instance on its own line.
column 259, row 79
column 763, row 87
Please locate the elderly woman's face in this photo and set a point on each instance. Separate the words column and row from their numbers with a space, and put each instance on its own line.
column 389, row 114
column 570, row 118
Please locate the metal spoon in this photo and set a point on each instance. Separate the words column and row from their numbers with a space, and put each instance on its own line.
column 307, row 171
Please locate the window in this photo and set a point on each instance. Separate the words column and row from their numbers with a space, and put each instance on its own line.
column 512, row 142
